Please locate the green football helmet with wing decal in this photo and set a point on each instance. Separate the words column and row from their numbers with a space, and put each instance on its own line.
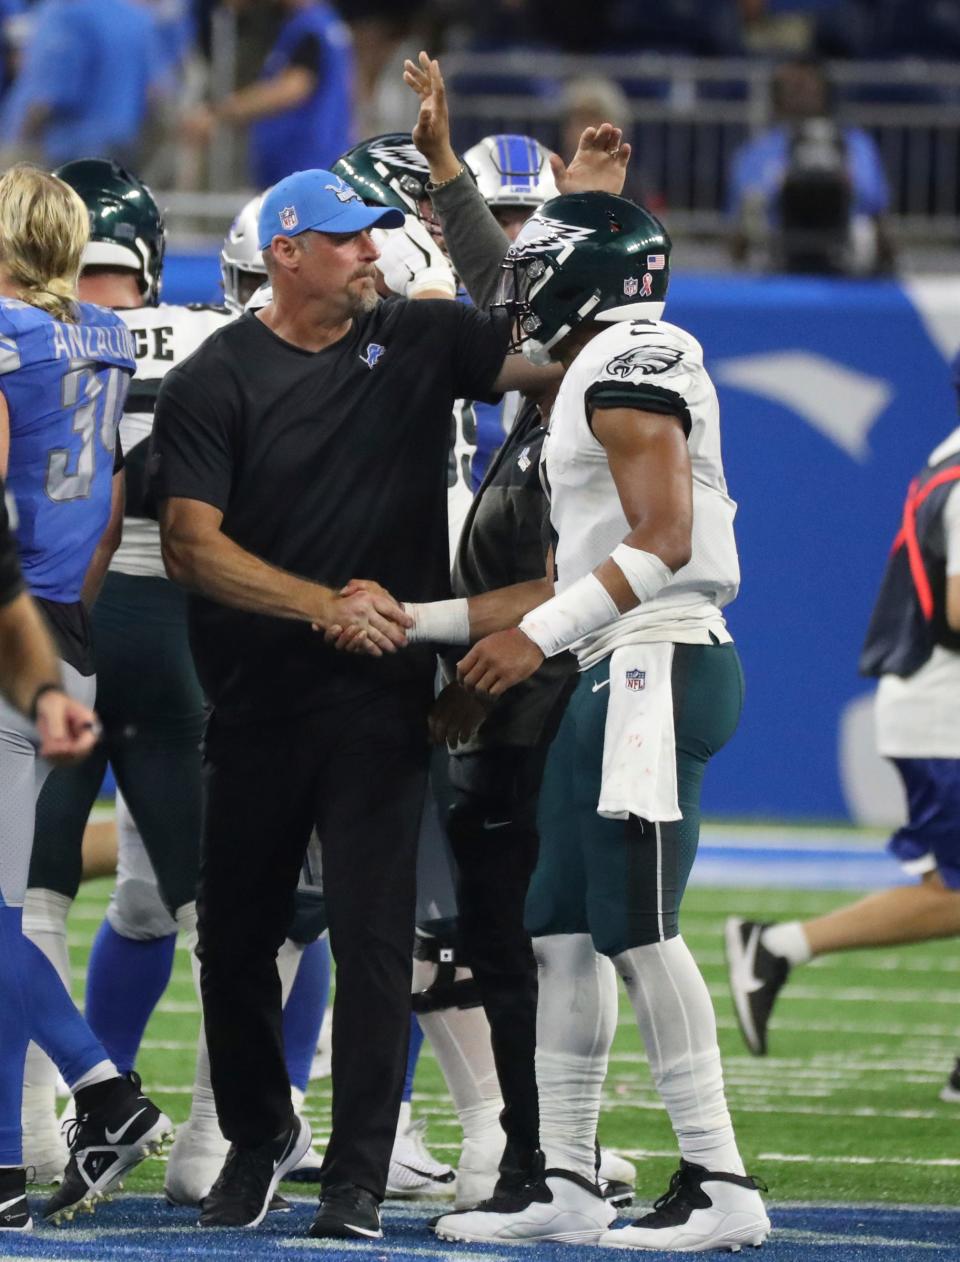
column 387, row 170
column 126, row 224
column 580, row 257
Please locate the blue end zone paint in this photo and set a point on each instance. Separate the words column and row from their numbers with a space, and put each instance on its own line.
column 145, row 1229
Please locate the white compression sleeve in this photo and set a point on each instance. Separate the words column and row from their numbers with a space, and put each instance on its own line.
column 679, row 1031
column 585, row 606
column 576, row 1022
column 644, row 571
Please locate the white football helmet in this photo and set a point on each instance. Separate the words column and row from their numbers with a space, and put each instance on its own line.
column 512, row 170
column 241, row 261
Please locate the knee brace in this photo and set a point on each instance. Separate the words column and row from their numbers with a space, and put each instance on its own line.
column 137, row 911
column 436, row 964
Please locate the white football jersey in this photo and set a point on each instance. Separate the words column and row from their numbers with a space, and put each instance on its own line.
column 163, row 336
column 652, row 366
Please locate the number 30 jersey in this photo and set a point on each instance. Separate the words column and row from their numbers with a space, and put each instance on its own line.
column 653, row 367
column 64, row 386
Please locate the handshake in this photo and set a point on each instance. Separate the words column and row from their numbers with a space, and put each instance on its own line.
column 363, row 618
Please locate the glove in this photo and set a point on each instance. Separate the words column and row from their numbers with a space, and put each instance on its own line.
column 411, row 262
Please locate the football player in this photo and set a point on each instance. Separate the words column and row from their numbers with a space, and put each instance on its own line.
column 241, row 261
column 913, row 648
column 66, row 366
column 645, row 561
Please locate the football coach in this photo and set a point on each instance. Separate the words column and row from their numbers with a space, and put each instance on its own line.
column 301, row 447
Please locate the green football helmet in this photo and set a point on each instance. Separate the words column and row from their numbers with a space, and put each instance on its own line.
column 126, row 224
column 583, row 256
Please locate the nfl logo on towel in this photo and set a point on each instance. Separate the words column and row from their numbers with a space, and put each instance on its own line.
column 636, row 680
column 288, row 217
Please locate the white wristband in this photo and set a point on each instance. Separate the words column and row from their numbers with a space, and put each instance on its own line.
column 440, row 622
column 644, row 571
column 564, row 619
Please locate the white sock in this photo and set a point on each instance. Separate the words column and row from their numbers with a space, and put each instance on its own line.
column 787, row 940
column 460, row 1040
column 679, row 1031
column 45, row 924
column 103, row 1071
column 576, row 1022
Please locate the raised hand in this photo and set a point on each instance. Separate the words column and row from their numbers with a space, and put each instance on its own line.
column 497, row 662
column 599, row 165
column 431, row 134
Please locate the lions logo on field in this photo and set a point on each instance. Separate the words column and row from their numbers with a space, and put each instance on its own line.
column 372, row 353
column 645, row 359
column 636, row 680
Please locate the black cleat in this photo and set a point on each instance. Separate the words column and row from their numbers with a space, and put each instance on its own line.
column 951, row 1091
column 756, row 976
column 14, row 1210
column 106, row 1139
column 244, row 1190
column 347, row 1212
column 616, row 1193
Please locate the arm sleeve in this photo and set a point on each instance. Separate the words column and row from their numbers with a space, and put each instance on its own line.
column 479, row 349
column 11, row 580
column 475, row 240
column 191, row 454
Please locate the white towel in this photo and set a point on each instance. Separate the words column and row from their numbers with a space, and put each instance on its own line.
column 639, row 745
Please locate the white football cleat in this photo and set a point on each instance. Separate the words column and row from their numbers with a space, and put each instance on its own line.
column 700, row 1210
column 196, row 1159
column 413, row 1169
column 563, row 1207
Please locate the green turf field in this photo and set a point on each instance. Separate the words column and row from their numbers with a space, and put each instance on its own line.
column 845, row 1109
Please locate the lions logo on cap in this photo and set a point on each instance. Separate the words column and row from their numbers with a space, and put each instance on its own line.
column 289, row 218
column 343, row 191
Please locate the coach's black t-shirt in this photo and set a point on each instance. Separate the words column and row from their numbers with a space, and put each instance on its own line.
column 330, row 465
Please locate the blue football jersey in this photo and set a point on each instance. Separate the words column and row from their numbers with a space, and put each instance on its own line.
column 65, row 386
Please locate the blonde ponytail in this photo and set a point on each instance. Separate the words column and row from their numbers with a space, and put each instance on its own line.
column 44, row 227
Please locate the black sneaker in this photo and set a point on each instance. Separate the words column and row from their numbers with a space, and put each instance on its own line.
column 756, row 976
column 116, row 1127
column 951, row 1092
column 244, row 1190
column 347, row 1212
column 616, row 1193
column 14, row 1210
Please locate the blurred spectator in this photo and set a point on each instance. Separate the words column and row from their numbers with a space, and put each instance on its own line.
column 801, row 175
column 298, row 110
column 86, row 76
column 590, row 101
column 378, row 27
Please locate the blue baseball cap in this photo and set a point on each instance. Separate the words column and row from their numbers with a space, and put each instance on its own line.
column 318, row 201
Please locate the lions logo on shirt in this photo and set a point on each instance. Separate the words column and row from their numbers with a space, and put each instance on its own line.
column 372, row 353
column 644, row 359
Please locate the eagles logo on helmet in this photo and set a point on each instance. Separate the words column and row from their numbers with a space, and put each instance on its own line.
column 574, row 261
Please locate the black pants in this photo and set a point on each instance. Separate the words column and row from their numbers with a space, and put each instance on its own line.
column 357, row 772
column 493, row 835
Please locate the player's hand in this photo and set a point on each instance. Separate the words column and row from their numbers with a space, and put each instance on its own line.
column 364, row 618
column 455, row 715
column 599, row 165
column 499, row 661
column 68, row 730
column 198, row 125
column 431, row 134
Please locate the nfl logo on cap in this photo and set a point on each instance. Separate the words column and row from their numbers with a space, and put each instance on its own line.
column 288, row 218
column 636, row 680
column 630, row 286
